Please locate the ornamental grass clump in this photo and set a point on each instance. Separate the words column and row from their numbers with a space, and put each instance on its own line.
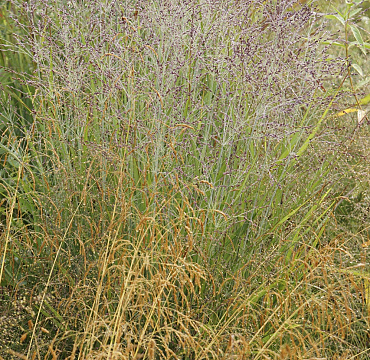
column 215, row 95
column 175, row 191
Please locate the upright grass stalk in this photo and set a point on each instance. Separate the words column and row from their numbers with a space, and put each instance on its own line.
column 8, row 226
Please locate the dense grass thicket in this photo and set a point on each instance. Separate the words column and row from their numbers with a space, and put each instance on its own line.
column 184, row 179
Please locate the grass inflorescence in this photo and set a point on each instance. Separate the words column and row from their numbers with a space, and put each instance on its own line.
column 176, row 183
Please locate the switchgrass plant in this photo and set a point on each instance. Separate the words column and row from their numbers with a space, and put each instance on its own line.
column 15, row 102
column 181, row 191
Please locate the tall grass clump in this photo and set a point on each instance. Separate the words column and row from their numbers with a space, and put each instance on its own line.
column 181, row 186
column 15, row 104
